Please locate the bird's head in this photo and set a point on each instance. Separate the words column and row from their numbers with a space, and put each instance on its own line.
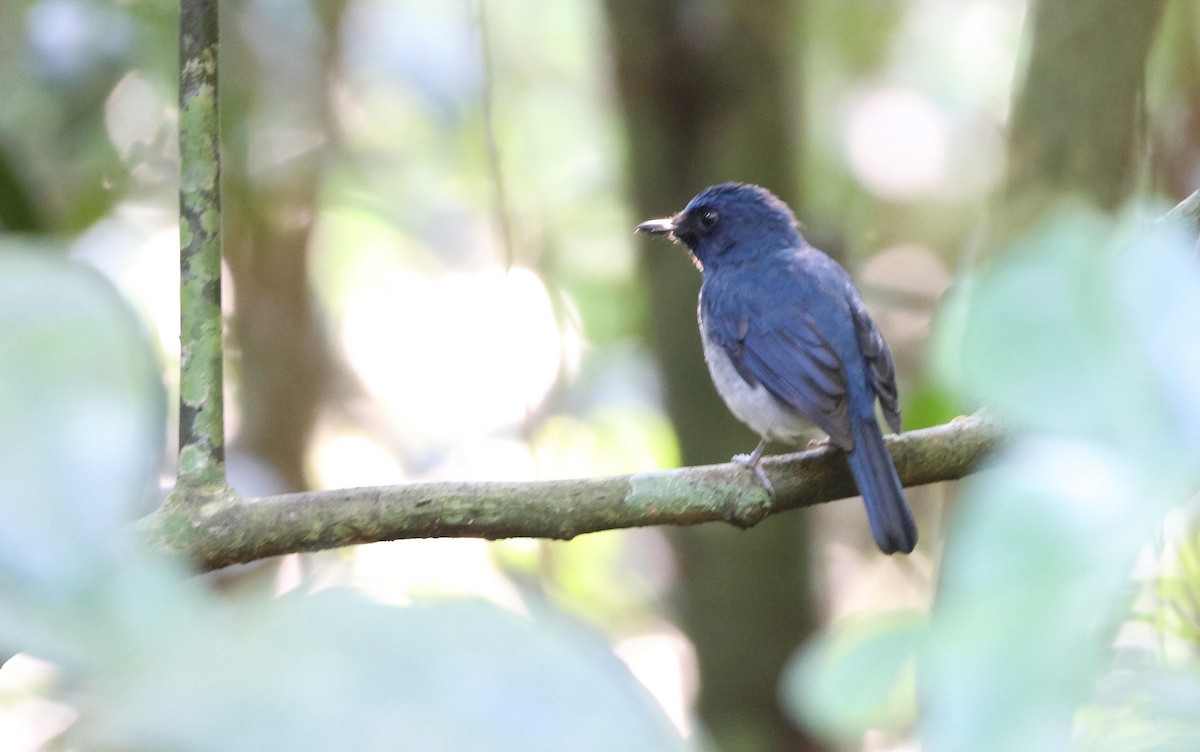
column 731, row 221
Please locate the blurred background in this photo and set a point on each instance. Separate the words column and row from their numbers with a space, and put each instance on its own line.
column 431, row 271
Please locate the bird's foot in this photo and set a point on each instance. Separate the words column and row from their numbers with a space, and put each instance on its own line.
column 819, row 443
column 755, row 464
column 751, row 508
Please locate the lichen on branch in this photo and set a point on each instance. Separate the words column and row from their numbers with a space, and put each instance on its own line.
column 201, row 400
column 225, row 529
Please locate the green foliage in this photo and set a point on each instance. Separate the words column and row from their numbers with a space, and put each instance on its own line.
column 928, row 406
column 1077, row 339
column 153, row 660
column 82, row 411
column 1177, row 590
column 856, row 677
column 59, row 64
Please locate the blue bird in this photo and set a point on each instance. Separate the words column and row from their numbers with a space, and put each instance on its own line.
column 788, row 342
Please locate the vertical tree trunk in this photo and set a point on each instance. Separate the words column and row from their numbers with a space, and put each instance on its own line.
column 1076, row 116
column 1177, row 140
column 285, row 366
column 709, row 93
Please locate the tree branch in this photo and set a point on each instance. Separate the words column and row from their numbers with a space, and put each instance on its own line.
column 227, row 529
column 201, row 401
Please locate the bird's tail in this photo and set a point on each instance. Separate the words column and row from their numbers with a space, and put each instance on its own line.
column 891, row 520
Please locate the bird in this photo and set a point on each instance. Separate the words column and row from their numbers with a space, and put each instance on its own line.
column 789, row 342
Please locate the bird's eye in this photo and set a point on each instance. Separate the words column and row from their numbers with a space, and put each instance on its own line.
column 708, row 218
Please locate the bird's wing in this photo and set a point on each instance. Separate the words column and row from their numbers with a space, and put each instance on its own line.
column 792, row 359
column 880, row 370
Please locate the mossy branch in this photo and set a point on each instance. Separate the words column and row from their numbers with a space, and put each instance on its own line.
column 227, row 529
column 201, row 400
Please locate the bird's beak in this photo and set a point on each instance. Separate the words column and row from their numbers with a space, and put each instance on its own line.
column 657, row 226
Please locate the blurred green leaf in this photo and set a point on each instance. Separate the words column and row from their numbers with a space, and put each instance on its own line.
column 857, row 677
column 155, row 661
column 929, row 406
column 1066, row 339
column 18, row 210
column 332, row 671
column 1142, row 706
column 1176, row 608
column 81, row 424
column 1041, row 340
column 1079, row 331
column 1080, row 340
column 1030, row 595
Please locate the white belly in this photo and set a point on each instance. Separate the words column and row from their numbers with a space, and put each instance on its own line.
column 754, row 406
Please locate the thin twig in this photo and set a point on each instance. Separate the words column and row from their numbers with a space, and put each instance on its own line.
column 495, row 169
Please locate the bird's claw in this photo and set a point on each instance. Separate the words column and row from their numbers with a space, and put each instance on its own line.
column 818, row 443
column 749, row 509
column 754, row 464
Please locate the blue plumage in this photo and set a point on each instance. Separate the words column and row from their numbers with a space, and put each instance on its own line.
column 788, row 341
